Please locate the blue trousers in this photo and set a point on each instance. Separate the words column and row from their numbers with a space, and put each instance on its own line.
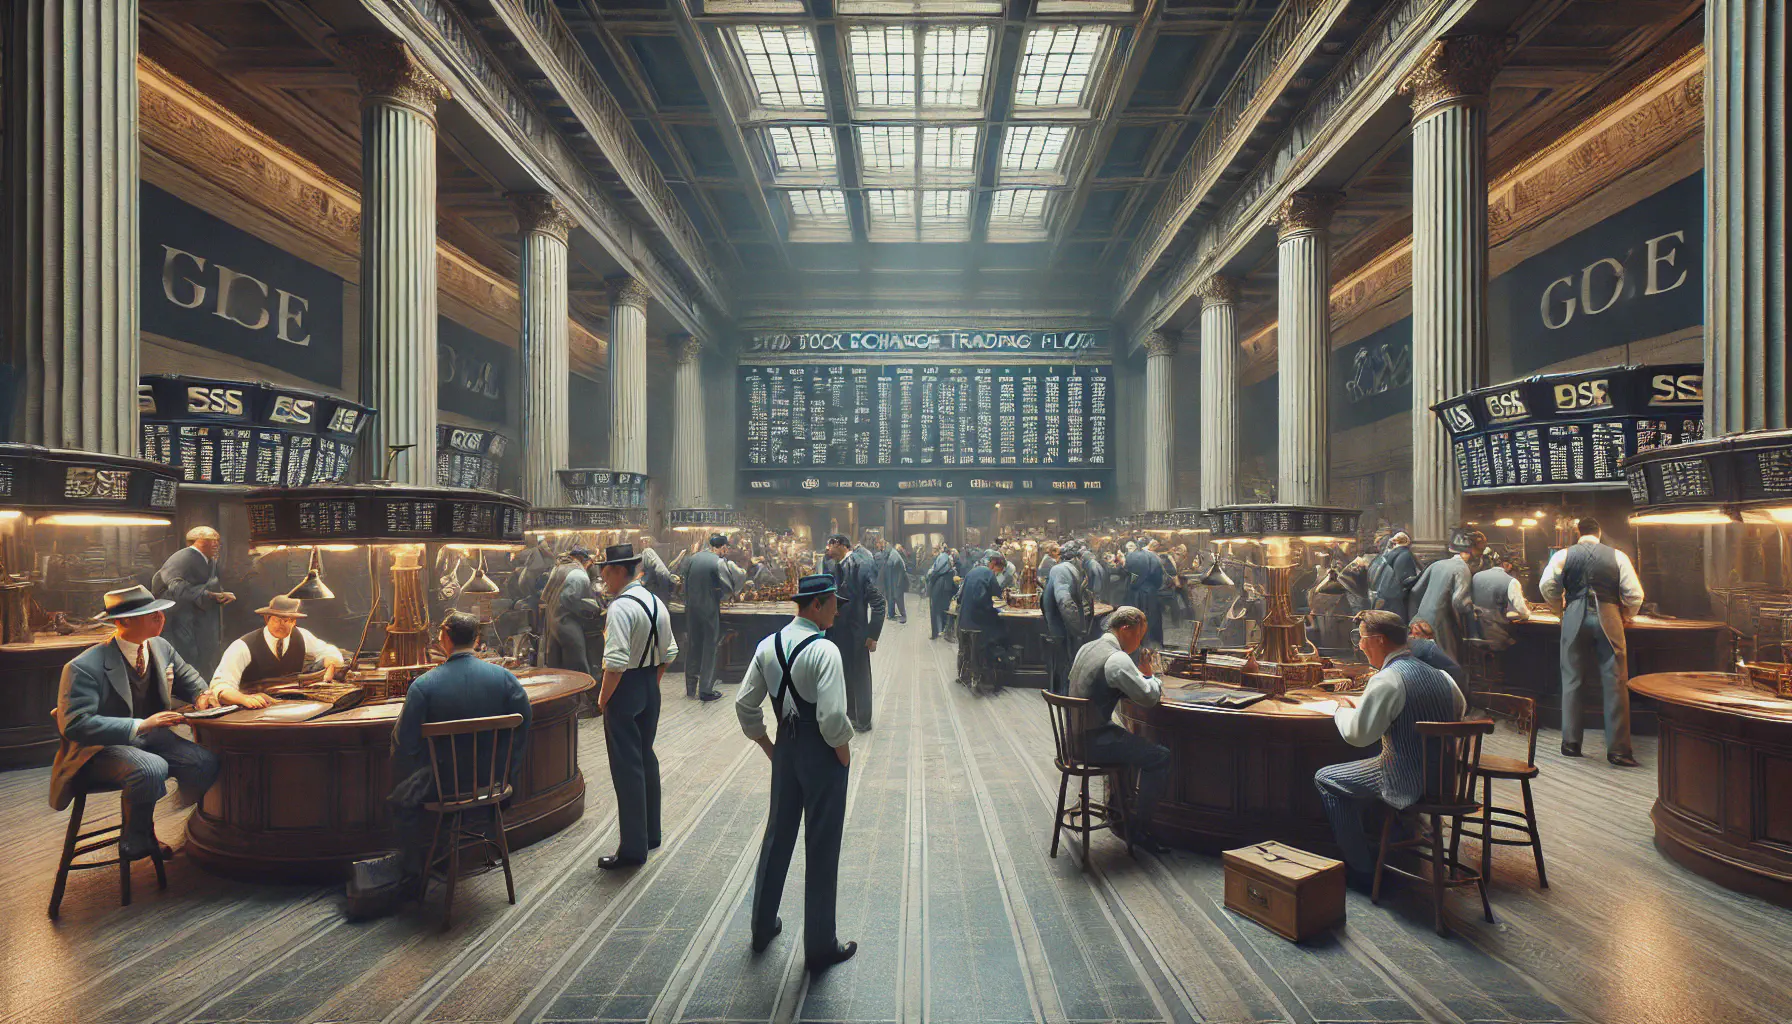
column 1346, row 790
column 142, row 771
column 631, row 720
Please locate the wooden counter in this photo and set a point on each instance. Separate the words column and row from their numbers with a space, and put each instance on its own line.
column 1724, row 807
column 30, row 675
column 299, row 801
column 744, row 624
column 1240, row 777
column 1533, row 665
column 1026, row 627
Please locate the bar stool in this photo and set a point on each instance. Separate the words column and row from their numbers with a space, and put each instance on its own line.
column 75, row 844
column 971, row 670
column 488, row 788
column 1452, row 763
column 1486, row 666
column 1069, row 725
column 1055, row 668
column 1521, row 714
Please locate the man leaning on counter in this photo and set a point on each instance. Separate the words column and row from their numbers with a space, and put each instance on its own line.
column 281, row 648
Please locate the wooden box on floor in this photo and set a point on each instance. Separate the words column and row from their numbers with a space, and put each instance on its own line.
column 1291, row 892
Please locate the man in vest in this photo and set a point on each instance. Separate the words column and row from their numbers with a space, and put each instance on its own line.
column 1595, row 588
column 281, row 648
column 569, row 608
column 800, row 669
column 638, row 645
column 1499, row 602
column 1441, row 597
column 1103, row 673
column 709, row 579
column 1402, row 692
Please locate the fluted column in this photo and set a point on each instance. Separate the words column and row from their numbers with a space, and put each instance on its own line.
column 398, row 250
column 71, row 182
column 1746, row 372
column 1449, row 260
column 546, row 432
column 628, row 375
column 690, row 463
column 1160, row 421
column 1219, row 392
column 1303, row 348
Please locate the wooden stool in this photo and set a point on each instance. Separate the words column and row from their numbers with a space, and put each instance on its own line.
column 1521, row 714
column 488, row 788
column 971, row 670
column 1055, row 668
column 952, row 627
column 1453, row 758
column 1069, row 724
column 73, row 846
column 1486, row 668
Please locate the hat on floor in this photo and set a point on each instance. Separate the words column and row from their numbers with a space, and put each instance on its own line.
column 283, row 606
column 131, row 602
column 621, row 554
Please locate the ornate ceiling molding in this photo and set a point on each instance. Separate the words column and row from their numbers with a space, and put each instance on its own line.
column 1454, row 71
column 388, row 72
column 541, row 213
column 1306, row 213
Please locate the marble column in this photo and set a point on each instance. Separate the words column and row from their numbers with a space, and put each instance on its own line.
column 1160, row 422
column 545, row 428
column 1304, row 348
column 690, row 461
column 71, row 183
column 1219, row 392
column 1449, row 260
column 1746, row 372
column 398, row 251
column 628, row 375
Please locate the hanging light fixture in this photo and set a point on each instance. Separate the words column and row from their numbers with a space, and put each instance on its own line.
column 1216, row 576
column 1331, row 584
column 481, row 583
column 312, row 588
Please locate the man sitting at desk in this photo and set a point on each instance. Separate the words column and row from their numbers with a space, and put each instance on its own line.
column 1403, row 692
column 272, row 652
column 976, row 603
column 1103, row 673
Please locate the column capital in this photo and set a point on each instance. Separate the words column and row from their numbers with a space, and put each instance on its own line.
column 626, row 291
column 1453, row 71
column 1220, row 290
column 542, row 213
column 1305, row 213
column 686, row 348
column 387, row 70
column 1159, row 344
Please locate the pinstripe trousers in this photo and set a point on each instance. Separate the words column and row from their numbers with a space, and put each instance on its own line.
column 142, row 771
column 1346, row 790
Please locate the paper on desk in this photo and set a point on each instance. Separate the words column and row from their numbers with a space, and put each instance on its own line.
column 292, row 711
column 1324, row 707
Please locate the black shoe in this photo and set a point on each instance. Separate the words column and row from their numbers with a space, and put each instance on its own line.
column 840, row 955
column 1570, row 749
column 706, row 698
column 762, row 941
column 616, row 860
column 1622, row 760
column 653, row 844
column 1149, row 843
column 861, row 728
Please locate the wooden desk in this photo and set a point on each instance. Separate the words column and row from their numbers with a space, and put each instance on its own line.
column 300, row 801
column 1026, row 627
column 1653, row 644
column 1245, row 776
column 1724, row 806
column 30, row 676
column 744, row 624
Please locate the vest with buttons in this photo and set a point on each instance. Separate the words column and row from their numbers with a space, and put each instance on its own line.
column 1590, row 567
column 263, row 664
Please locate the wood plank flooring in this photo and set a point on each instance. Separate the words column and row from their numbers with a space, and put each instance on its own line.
column 946, row 884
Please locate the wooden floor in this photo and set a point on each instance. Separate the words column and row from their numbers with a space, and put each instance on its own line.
column 946, row 885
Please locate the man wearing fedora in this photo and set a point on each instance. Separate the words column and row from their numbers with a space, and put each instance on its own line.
column 116, row 712
column 638, row 645
column 800, row 669
column 280, row 648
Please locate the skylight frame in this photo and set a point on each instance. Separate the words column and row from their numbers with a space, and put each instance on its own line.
column 970, row 67
column 761, row 54
column 801, row 154
column 1070, row 51
column 910, row 8
column 890, row 214
column 1021, row 214
column 1036, row 153
column 816, row 215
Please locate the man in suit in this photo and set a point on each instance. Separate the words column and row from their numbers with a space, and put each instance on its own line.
column 116, row 712
column 942, row 579
column 1392, row 575
column 1441, row 597
column 856, row 630
column 976, row 603
column 1067, row 608
column 1499, row 602
column 895, row 583
column 659, row 580
column 189, row 579
column 569, row 609
column 464, row 686
column 709, row 579
column 1145, row 584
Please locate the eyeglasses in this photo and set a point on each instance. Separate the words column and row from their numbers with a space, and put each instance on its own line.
column 1356, row 640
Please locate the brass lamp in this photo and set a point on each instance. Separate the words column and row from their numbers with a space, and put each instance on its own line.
column 312, row 588
column 481, row 583
column 1216, row 576
column 1331, row 584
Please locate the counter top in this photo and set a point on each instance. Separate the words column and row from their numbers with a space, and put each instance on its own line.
column 542, row 684
column 1036, row 613
column 1547, row 617
column 1715, row 691
column 57, row 641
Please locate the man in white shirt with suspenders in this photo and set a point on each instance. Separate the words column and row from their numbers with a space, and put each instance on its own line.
column 800, row 669
column 638, row 645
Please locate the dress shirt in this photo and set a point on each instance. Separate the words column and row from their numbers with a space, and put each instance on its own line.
column 129, row 650
column 1519, row 610
column 1630, row 589
column 626, row 629
column 236, row 656
column 1382, row 701
column 816, row 674
column 1103, row 655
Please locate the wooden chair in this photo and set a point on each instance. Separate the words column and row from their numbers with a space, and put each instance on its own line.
column 1520, row 714
column 1452, row 764
column 75, row 845
column 1069, row 725
column 488, row 789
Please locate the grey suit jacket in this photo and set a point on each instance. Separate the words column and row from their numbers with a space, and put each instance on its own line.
column 94, row 707
column 709, row 580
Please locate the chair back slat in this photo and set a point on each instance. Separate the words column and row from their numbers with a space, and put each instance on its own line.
column 1452, row 755
column 1519, row 712
column 1070, row 717
column 488, row 781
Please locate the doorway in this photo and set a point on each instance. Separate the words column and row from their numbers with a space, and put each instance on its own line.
column 923, row 527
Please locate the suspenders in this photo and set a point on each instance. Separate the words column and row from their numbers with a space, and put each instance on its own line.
column 653, row 627
column 785, row 663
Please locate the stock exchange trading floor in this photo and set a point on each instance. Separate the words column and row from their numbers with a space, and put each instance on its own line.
column 946, row 884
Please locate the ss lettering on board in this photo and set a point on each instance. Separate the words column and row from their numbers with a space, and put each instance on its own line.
column 288, row 409
column 1677, row 389
column 1506, row 405
column 1588, row 394
column 225, row 400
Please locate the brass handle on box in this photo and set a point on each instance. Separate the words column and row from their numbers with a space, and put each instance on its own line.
column 1256, row 895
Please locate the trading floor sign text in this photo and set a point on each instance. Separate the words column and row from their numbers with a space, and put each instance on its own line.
column 1056, row 343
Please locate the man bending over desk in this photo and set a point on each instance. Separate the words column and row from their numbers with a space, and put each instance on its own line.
column 1103, row 673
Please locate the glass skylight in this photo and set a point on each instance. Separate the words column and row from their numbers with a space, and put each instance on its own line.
column 949, row 151
column 891, row 211
column 883, row 65
column 1018, row 207
column 887, row 153
column 1032, row 149
column 781, row 65
column 954, row 61
column 801, row 148
column 918, row 69
column 940, row 207
column 1057, row 69
column 818, row 215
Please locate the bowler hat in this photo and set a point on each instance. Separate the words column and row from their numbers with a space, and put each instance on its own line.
column 621, row 554
column 283, row 606
column 131, row 602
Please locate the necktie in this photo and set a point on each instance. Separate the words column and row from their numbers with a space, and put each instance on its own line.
column 280, row 649
column 142, row 659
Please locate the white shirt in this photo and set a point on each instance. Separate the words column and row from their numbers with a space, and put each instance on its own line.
column 236, row 656
column 1382, row 701
column 1630, row 589
column 626, row 629
column 1102, row 658
column 1517, row 608
column 816, row 675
